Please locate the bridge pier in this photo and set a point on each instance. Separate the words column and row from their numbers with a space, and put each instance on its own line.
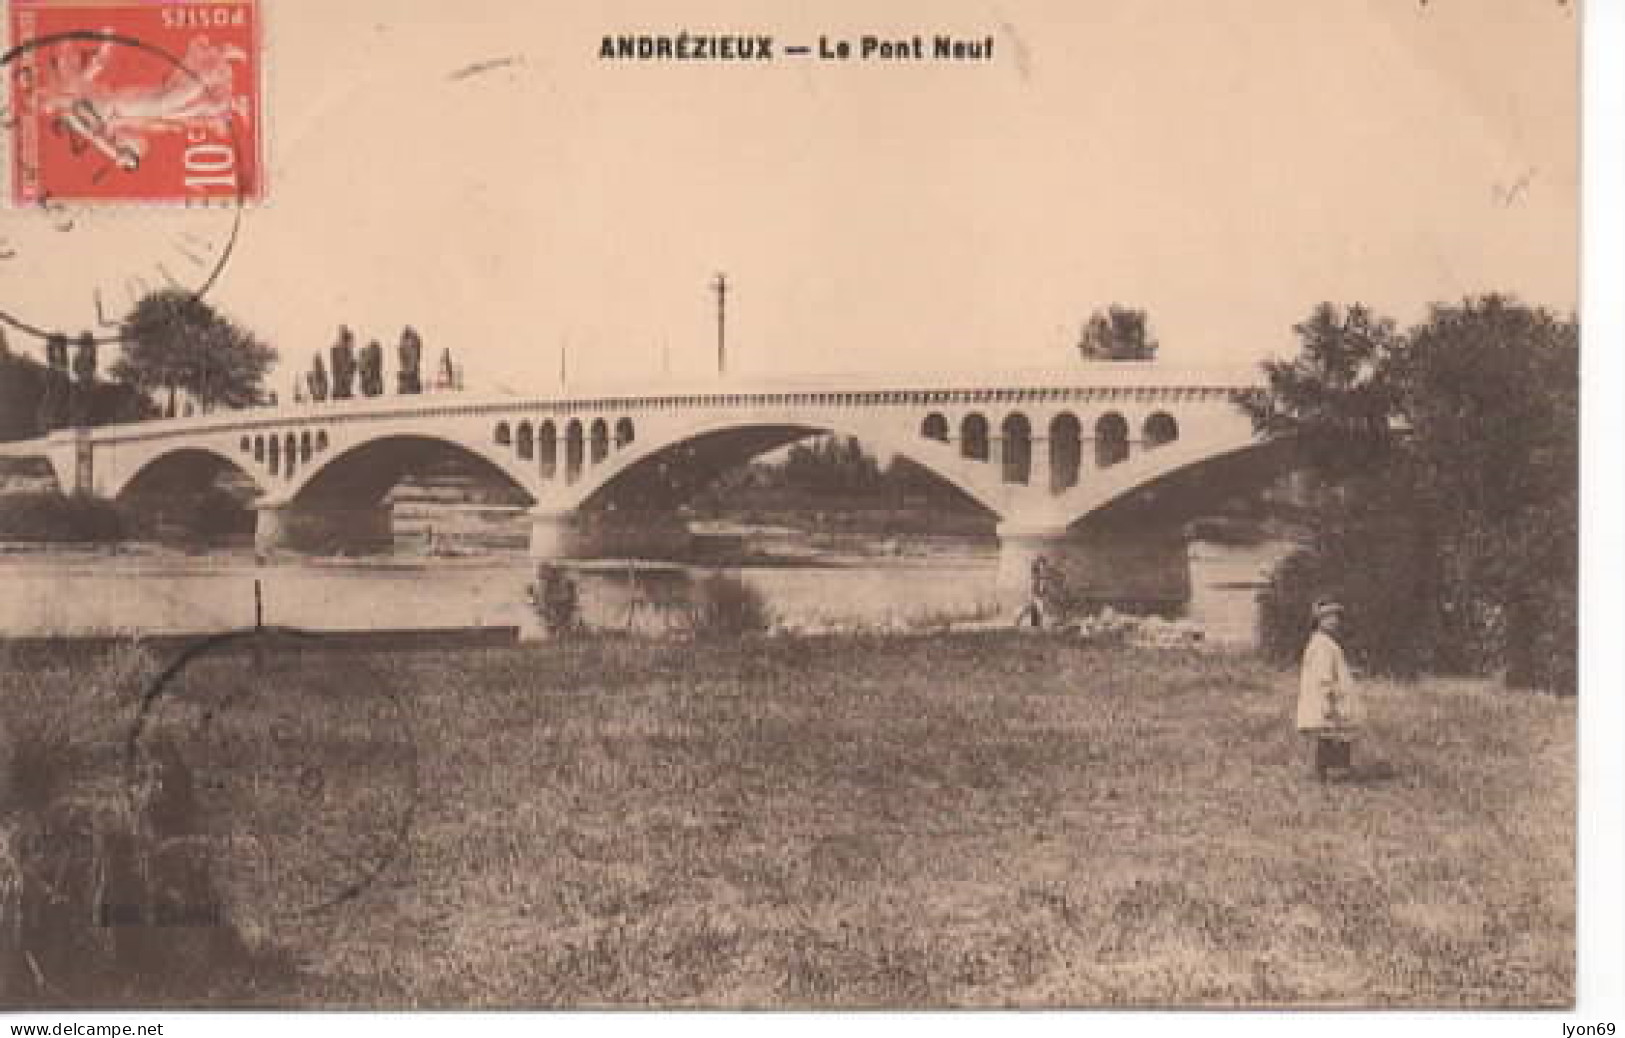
column 572, row 534
column 357, row 530
column 1141, row 568
column 71, row 456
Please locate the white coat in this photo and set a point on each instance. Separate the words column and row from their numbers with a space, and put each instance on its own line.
column 1327, row 699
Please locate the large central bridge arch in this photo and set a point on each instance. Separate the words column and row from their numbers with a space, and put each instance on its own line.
column 664, row 471
column 360, row 474
column 1175, row 482
column 338, row 503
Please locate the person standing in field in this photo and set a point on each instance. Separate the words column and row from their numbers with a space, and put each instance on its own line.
column 1040, row 587
column 1328, row 704
column 556, row 600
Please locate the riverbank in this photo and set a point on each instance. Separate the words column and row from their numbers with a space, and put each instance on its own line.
column 960, row 820
column 825, row 584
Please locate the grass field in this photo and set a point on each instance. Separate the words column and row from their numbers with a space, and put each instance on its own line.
column 963, row 820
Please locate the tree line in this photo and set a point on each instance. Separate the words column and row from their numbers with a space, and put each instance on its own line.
column 178, row 355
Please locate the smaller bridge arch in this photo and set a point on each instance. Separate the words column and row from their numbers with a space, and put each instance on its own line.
column 973, row 437
column 1016, row 439
column 574, row 450
column 1160, row 428
column 183, row 465
column 1111, row 439
column 547, row 449
column 1065, row 451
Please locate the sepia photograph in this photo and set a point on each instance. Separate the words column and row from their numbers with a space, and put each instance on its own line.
column 1001, row 504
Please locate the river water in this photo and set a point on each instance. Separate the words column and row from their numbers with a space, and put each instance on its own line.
column 87, row 592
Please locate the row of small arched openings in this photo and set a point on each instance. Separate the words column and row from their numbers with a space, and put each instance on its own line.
column 1111, row 441
column 568, row 450
column 283, row 455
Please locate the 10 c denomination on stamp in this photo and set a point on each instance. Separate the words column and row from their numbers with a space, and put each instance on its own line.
column 134, row 101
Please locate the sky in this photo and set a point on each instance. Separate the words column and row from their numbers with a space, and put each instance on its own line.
column 476, row 170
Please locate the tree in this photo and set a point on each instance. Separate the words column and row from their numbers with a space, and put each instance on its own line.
column 1337, row 397
column 372, row 369
column 24, row 384
column 831, row 465
column 1491, row 398
column 408, row 378
column 316, row 380
column 1455, row 450
column 53, row 405
column 174, row 342
column 344, row 364
column 1118, row 333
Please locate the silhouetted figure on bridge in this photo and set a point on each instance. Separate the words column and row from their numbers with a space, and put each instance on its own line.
column 84, row 380
column 372, row 369
column 344, row 365
column 446, row 375
column 316, row 381
column 409, row 379
column 53, row 406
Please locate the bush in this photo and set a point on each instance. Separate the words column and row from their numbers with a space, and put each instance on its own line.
column 60, row 518
column 1230, row 531
column 1542, row 605
column 1453, row 536
column 212, row 514
column 556, row 600
column 727, row 607
column 76, row 847
column 1382, row 566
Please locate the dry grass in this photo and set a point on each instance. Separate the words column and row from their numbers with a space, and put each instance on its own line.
column 971, row 820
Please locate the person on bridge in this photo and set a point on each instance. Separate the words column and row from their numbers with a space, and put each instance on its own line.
column 1328, row 703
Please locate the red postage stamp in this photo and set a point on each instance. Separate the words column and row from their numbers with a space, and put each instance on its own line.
column 153, row 101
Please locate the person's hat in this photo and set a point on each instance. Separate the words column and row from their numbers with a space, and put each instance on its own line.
column 1324, row 607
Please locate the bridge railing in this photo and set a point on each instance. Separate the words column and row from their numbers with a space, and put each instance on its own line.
column 1107, row 375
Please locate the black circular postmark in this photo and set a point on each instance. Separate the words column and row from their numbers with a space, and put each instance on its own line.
column 288, row 769
column 94, row 217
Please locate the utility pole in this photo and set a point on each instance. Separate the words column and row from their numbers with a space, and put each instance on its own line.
column 720, row 286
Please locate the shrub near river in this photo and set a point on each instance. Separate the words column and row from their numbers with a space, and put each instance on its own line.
column 211, row 515
column 60, row 518
column 959, row 820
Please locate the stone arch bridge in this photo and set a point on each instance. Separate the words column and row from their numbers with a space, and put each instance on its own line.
column 1099, row 464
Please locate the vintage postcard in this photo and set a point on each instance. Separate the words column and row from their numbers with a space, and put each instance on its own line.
column 780, row 506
